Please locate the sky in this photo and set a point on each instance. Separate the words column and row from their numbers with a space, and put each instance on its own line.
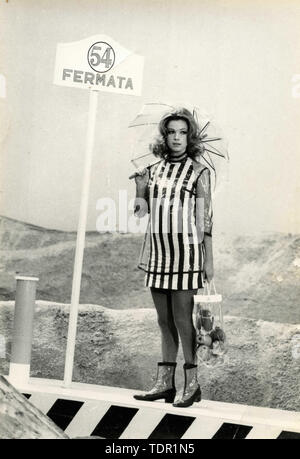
column 239, row 61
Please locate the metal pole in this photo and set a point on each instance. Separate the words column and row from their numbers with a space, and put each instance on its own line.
column 93, row 99
column 19, row 368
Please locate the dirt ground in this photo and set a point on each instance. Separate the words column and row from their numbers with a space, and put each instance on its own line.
column 118, row 342
column 121, row 347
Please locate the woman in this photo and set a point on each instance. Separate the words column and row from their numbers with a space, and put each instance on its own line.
column 176, row 192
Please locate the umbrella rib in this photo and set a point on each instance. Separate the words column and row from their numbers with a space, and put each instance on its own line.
column 217, row 152
column 210, row 165
column 214, row 152
column 204, row 127
column 212, row 139
column 141, row 124
column 158, row 103
column 142, row 156
column 214, row 148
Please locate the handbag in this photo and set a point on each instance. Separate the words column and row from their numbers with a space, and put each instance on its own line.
column 209, row 323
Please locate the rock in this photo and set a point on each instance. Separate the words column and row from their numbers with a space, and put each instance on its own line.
column 19, row 419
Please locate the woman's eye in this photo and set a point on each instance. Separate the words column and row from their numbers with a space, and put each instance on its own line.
column 181, row 132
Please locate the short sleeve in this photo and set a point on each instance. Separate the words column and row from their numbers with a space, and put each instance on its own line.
column 204, row 201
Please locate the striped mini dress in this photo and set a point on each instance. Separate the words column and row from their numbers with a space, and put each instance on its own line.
column 177, row 223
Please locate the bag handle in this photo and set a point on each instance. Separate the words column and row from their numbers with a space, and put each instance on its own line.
column 208, row 286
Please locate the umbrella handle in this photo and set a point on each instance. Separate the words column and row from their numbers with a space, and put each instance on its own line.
column 138, row 172
column 143, row 171
column 132, row 176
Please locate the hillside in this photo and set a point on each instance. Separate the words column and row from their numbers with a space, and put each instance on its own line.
column 258, row 275
column 121, row 348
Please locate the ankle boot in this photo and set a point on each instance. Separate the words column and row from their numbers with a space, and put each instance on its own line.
column 192, row 391
column 164, row 386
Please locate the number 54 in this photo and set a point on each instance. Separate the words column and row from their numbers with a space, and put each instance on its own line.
column 97, row 59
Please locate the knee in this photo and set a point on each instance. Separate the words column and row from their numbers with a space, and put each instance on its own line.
column 183, row 320
column 163, row 323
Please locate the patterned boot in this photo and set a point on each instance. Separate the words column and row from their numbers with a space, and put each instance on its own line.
column 192, row 391
column 164, row 386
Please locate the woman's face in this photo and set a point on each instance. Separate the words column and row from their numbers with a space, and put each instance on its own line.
column 177, row 131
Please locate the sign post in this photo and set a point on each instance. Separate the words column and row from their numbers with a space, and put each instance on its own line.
column 97, row 63
column 93, row 100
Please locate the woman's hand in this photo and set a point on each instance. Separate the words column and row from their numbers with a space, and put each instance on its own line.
column 208, row 269
column 142, row 178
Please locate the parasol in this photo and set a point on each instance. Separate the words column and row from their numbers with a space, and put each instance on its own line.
column 214, row 146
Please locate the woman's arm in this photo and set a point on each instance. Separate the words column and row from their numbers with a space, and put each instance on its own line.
column 141, row 204
column 204, row 219
column 208, row 261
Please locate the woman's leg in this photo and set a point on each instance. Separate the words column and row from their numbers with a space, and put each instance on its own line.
column 182, row 305
column 169, row 334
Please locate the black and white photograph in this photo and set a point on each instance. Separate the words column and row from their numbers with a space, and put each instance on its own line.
column 149, row 222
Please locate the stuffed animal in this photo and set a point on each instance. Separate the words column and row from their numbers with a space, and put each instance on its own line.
column 217, row 334
column 204, row 340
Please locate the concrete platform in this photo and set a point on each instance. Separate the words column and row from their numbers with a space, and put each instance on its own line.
column 109, row 412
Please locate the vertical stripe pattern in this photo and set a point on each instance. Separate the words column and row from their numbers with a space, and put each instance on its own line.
column 176, row 251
